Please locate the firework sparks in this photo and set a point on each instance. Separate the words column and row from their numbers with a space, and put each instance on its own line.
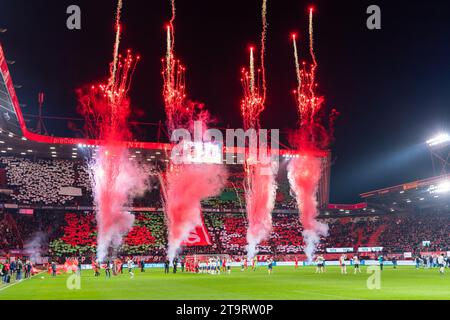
column 116, row 180
column 182, row 197
column 174, row 90
column 263, row 48
column 305, row 171
column 116, row 43
column 260, row 185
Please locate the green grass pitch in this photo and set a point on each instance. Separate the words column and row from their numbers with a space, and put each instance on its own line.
column 284, row 284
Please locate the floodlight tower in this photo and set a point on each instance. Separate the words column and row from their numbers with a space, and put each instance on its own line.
column 439, row 147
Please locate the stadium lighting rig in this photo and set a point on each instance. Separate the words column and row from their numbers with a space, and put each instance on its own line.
column 442, row 187
column 439, row 140
column 439, row 147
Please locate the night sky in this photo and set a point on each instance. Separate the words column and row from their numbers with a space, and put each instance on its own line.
column 391, row 86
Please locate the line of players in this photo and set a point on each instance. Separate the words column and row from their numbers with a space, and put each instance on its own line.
column 343, row 262
column 218, row 265
column 441, row 261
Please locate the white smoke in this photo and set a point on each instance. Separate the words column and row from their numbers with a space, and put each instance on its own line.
column 36, row 245
column 312, row 239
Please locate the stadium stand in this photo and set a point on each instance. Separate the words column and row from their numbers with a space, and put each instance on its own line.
column 71, row 232
column 40, row 182
column 76, row 233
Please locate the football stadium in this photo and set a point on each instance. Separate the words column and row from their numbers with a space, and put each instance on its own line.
column 182, row 208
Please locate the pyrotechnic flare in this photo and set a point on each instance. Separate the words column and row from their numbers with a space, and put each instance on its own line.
column 260, row 185
column 174, row 91
column 116, row 179
column 184, row 185
column 263, row 47
column 305, row 172
column 116, row 43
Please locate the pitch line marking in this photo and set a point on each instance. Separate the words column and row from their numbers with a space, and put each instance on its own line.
column 18, row 282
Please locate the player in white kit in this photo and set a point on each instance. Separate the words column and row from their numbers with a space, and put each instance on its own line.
column 356, row 264
column 441, row 263
column 343, row 264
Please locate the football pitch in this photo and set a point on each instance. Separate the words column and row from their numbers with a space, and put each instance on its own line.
column 286, row 283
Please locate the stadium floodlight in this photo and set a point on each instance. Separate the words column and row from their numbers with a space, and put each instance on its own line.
column 439, row 139
column 443, row 187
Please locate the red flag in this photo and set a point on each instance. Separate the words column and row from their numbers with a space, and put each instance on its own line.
column 198, row 237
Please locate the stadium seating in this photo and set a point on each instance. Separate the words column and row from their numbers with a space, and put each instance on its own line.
column 39, row 183
column 76, row 233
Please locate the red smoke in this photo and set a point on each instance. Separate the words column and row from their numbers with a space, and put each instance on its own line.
column 186, row 186
column 305, row 171
column 115, row 178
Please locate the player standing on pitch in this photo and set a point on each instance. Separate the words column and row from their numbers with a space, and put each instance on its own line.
column 381, row 261
column 108, row 269
column 343, row 263
column 441, row 264
column 356, row 263
column 270, row 265
column 130, row 264
column 320, row 264
column 254, row 263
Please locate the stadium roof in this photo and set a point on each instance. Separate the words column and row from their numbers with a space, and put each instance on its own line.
column 422, row 194
column 8, row 118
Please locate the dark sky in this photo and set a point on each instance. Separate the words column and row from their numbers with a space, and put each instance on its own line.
column 392, row 86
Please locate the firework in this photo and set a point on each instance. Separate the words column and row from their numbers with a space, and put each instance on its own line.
column 116, row 179
column 305, row 171
column 116, row 43
column 260, row 185
column 184, row 185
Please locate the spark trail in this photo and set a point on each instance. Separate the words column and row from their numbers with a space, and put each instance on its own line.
column 115, row 179
column 260, row 185
column 184, row 184
column 116, row 43
column 305, row 172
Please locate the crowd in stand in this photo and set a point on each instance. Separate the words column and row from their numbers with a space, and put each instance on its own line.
column 41, row 181
column 71, row 234
column 409, row 232
column 7, row 238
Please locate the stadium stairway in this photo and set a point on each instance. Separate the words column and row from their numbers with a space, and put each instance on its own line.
column 373, row 240
column 359, row 237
